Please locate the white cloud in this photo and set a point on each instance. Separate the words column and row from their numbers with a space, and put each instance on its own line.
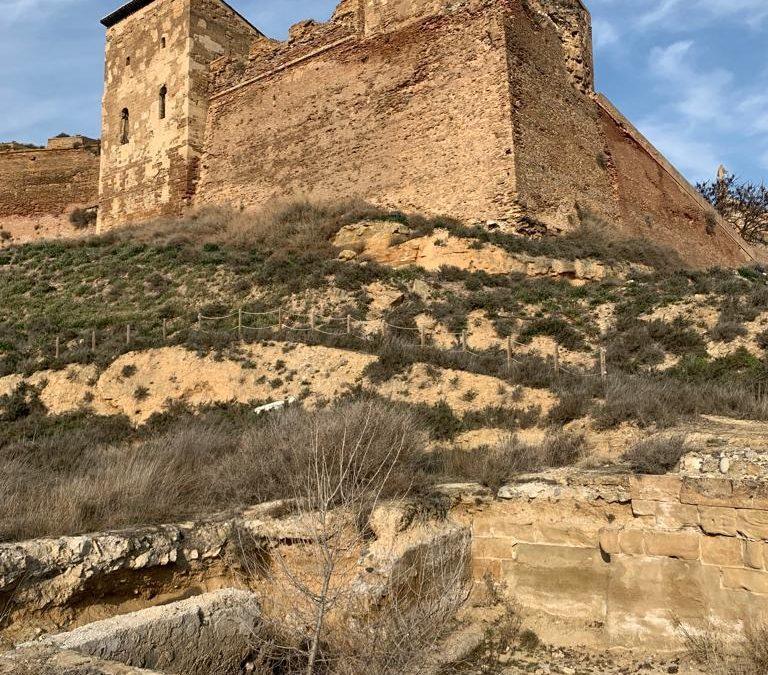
column 697, row 157
column 751, row 12
column 604, row 34
column 704, row 113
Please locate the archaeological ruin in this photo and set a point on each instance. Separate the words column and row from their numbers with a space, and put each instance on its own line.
column 483, row 110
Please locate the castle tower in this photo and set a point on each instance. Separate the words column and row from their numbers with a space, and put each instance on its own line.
column 155, row 101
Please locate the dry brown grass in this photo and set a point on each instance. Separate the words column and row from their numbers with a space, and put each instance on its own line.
column 657, row 455
column 193, row 467
column 721, row 654
column 494, row 466
column 288, row 224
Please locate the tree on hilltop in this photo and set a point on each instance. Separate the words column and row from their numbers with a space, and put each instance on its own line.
column 742, row 203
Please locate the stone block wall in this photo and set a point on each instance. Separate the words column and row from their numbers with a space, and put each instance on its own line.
column 630, row 555
column 400, row 120
column 40, row 188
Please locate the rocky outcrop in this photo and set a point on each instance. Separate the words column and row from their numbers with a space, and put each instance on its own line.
column 389, row 244
column 50, row 584
column 206, row 634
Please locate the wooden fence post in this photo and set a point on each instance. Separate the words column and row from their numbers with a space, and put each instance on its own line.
column 349, row 325
column 423, row 336
column 312, row 320
column 93, row 340
column 464, row 340
column 557, row 359
column 509, row 353
column 165, row 329
column 58, row 350
column 128, row 335
column 240, row 324
column 279, row 318
column 603, row 365
column 199, row 320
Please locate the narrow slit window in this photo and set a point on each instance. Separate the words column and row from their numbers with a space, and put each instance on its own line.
column 162, row 42
column 124, row 119
column 127, row 60
column 163, row 95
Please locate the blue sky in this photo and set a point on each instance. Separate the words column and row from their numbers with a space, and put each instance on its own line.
column 691, row 74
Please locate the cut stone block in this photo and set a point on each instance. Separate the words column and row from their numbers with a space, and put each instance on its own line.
column 723, row 551
column 753, row 581
column 707, row 491
column 208, row 633
column 655, row 488
column 718, row 520
column 682, row 545
column 752, row 524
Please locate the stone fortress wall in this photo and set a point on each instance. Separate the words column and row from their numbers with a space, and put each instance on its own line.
column 40, row 187
column 624, row 557
column 478, row 109
column 481, row 109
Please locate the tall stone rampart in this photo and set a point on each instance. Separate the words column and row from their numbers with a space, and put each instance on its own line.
column 416, row 118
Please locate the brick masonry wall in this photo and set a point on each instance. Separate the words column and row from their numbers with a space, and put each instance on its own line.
column 629, row 554
column 40, row 188
column 37, row 182
column 558, row 133
column 656, row 202
column 418, row 124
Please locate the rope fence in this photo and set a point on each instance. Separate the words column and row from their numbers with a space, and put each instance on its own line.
column 279, row 320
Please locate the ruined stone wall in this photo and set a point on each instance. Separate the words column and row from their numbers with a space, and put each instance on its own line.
column 623, row 556
column 656, row 202
column 147, row 175
column 573, row 25
column 40, row 188
column 559, row 141
column 416, row 123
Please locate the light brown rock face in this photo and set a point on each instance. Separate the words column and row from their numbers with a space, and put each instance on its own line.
column 627, row 553
column 381, row 241
column 65, row 582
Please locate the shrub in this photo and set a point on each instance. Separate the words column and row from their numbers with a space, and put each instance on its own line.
column 83, row 218
column 80, row 476
column 558, row 329
column 20, row 403
column 727, row 331
column 722, row 654
column 657, row 455
column 493, row 467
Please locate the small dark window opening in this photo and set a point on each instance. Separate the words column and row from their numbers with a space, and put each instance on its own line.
column 162, row 42
column 163, row 94
column 124, row 126
column 127, row 60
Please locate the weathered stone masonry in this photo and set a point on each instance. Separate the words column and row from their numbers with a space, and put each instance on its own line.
column 39, row 188
column 627, row 555
column 478, row 109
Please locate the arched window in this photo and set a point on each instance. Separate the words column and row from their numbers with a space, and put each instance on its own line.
column 124, row 126
column 163, row 94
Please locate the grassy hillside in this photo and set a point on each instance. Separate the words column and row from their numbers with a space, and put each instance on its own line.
column 678, row 343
